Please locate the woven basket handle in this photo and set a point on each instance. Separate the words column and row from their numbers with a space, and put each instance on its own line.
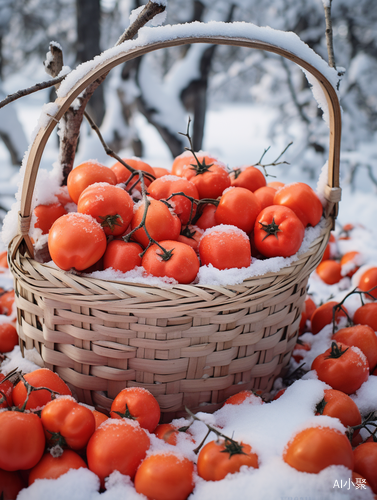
column 332, row 190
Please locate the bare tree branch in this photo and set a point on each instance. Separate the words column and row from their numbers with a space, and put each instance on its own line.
column 299, row 107
column 329, row 33
column 54, row 64
column 71, row 123
column 35, row 88
column 148, row 13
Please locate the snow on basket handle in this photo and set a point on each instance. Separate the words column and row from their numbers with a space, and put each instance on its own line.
column 237, row 34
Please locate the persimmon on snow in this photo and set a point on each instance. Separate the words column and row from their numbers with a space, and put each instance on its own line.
column 324, row 314
column 330, row 271
column 368, row 281
column 316, row 448
column 218, row 458
column 342, row 367
column 361, row 336
column 8, row 337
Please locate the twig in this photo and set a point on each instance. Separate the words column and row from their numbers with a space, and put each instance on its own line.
column 300, row 107
column 274, row 163
column 238, row 447
column 35, row 88
column 329, row 33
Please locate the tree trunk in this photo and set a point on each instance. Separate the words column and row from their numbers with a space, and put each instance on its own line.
column 88, row 14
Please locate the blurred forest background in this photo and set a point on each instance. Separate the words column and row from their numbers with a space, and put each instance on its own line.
column 190, row 79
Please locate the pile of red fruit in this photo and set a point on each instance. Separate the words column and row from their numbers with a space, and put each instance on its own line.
column 171, row 223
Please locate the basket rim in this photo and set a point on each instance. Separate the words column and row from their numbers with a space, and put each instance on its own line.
column 119, row 284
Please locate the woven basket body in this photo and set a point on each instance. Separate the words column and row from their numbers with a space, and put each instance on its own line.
column 189, row 345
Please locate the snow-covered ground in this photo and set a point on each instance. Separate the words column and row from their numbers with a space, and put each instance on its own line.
column 237, row 135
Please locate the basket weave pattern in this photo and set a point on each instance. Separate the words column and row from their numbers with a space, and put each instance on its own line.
column 189, row 345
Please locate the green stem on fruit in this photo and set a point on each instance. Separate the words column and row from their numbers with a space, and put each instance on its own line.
column 231, row 446
column 142, row 224
column 339, row 306
column 369, row 420
column 274, row 163
column 200, row 167
column 336, row 351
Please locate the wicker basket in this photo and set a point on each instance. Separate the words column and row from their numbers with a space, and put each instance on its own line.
column 189, row 345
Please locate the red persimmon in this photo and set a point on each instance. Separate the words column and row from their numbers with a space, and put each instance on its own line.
column 175, row 260
column 46, row 215
column 250, row 178
column 207, row 217
column 139, row 404
column 3, row 260
column 238, row 207
column 122, row 255
column 42, row 377
column 240, row 397
column 68, row 423
column 22, row 440
column 368, row 281
column 52, row 467
column 160, row 222
column 6, row 389
column 365, row 456
column 11, row 483
column 170, row 432
column 76, row 241
column 111, row 206
column 160, row 172
column 117, row 445
column 7, row 302
column 191, row 235
column 225, row 247
column 278, row 232
column 301, row 198
column 316, row 448
column 297, row 354
column 8, row 337
column 218, row 458
column 265, row 195
column 210, row 179
column 361, row 336
column 342, row 367
column 86, row 174
column 164, row 187
column 123, row 174
column 366, row 315
column 337, row 404
column 165, row 476
column 187, row 159
column 323, row 315
column 99, row 417
column 330, row 271
column 350, row 263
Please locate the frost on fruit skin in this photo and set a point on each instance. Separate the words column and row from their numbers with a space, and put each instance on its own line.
column 225, row 228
